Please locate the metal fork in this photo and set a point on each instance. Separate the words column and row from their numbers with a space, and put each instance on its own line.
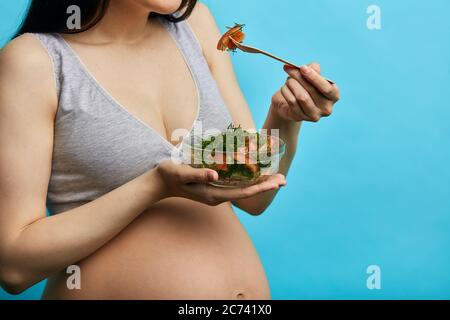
column 250, row 49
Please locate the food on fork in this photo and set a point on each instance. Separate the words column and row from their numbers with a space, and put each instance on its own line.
column 225, row 43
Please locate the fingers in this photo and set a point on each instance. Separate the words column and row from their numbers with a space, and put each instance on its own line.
column 327, row 89
column 294, row 110
column 312, row 75
column 215, row 195
column 284, row 109
column 325, row 106
column 315, row 94
column 304, row 100
column 272, row 183
column 278, row 100
column 299, row 85
column 315, row 66
column 296, row 75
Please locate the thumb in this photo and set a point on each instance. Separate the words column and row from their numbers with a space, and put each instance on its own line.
column 193, row 175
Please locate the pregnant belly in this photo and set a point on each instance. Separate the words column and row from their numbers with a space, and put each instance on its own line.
column 179, row 249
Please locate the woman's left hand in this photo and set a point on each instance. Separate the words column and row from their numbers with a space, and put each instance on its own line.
column 306, row 95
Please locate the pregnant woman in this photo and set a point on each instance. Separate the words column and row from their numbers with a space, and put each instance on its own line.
column 86, row 120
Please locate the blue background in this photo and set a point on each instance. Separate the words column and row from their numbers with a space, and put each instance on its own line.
column 371, row 184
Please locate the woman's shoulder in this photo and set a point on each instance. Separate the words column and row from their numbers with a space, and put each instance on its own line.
column 26, row 67
column 204, row 26
column 201, row 19
column 201, row 10
column 25, row 49
column 24, row 55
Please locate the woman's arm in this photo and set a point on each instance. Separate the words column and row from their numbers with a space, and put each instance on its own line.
column 33, row 246
column 282, row 113
column 288, row 132
column 283, row 117
column 221, row 67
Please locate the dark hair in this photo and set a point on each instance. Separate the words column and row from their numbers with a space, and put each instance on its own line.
column 50, row 16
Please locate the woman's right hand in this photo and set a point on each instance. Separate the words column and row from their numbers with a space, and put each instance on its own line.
column 181, row 180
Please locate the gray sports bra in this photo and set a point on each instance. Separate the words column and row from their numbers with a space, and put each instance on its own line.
column 98, row 144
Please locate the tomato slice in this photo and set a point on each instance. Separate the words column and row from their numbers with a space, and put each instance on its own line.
column 222, row 167
column 252, row 167
column 236, row 33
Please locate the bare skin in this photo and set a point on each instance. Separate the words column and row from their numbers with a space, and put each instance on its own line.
column 166, row 234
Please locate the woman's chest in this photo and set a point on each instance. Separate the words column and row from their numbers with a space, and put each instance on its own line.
column 121, row 116
column 154, row 85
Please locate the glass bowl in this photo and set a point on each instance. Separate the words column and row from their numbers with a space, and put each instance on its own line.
column 241, row 159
